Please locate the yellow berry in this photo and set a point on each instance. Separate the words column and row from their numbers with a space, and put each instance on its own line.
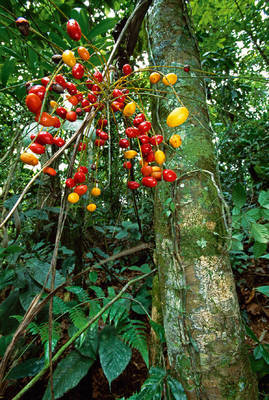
column 170, row 79
column 69, row 58
column 73, row 198
column 129, row 109
column 159, row 157
column 175, row 141
column 177, row 117
column 95, row 192
column 91, row 207
column 130, row 154
column 154, row 77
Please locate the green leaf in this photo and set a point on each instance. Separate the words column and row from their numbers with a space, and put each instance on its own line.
column 27, row 368
column 176, row 389
column 4, row 342
column 264, row 199
column 39, row 269
column 261, row 352
column 251, row 334
column 122, row 234
column 159, row 330
column 263, row 290
column 7, row 70
column 102, row 27
column 260, row 233
column 153, row 387
column 259, row 249
column 90, row 344
column 238, row 195
column 114, row 354
column 68, row 374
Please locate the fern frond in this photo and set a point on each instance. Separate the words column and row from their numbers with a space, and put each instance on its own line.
column 77, row 317
column 133, row 333
column 60, row 306
column 81, row 294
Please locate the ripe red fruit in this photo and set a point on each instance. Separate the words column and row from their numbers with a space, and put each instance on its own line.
column 83, row 169
column 45, row 120
column 85, row 104
column 131, row 132
column 79, row 177
column 71, row 88
column 99, row 142
column 150, row 157
column 79, row 96
column 102, row 122
column 92, row 98
column 79, row 111
column 117, row 94
column 78, row 71
column 127, row 69
column 139, row 119
column 73, row 100
column 81, row 146
column 117, row 106
column 45, row 81
column 144, row 139
column 98, row 76
column 146, row 170
column 39, row 90
column 70, row 182
column 133, row 185
column 186, row 68
column 169, row 175
column 81, row 189
column 127, row 165
column 71, row 116
column 60, row 80
column 61, row 111
column 37, row 148
column 58, row 141
column 144, row 127
column 73, row 29
column 146, row 149
column 154, row 140
column 89, row 83
column 33, row 102
column 149, row 181
column 124, row 143
column 96, row 88
column 44, row 138
column 56, row 122
column 103, row 135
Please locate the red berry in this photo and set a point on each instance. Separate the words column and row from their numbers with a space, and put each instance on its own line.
column 127, row 69
column 150, row 157
column 61, row 111
column 60, row 80
column 169, row 175
column 127, row 164
column 83, row 169
column 131, row 132
column 71, row 116
column 144, row 139
column 124, row 143
column 79, row 177
column 102, row 122
column 81, row 189
column 149, row 181
column 85, row 104
column 89, row 83
column 146, row 149
column 144, row 127
column 81, row 146
column 98, row 76
column 33, row 102
column 79, row 96
column 79, row 111
column 99, row 142
column 73, row 29
column 58, row 141
column 37, row 148
column 103, row 135
column 186, row 68
column 78, row 71
column 71, row 88
column 70, row 182
column 45, row 81
column 154, row 140
column 133, row 185
column 44, row 138
column 39, row 90
column 92, row 98
column 96, row 88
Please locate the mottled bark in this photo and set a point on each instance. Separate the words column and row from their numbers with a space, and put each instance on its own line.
column 203, row 328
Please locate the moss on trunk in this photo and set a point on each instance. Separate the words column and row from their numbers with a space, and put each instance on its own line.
column 203, row 328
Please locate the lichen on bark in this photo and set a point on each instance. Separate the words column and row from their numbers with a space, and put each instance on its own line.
column 204, row 333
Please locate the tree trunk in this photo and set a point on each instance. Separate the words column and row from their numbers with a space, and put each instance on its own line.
column 203, row 328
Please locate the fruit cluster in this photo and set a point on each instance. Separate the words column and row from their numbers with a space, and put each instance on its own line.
column 88, row 90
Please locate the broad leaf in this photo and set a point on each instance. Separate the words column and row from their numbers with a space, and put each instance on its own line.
column 68, row 374
column 260, row 233
column 176, row 389
column 102, row 27
column 259, row 249
column 264, row 199
column 39, row 269
column 239, row 195
column 114, row 354
column 7, row 70
column 263, row 290
column 27, row 368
